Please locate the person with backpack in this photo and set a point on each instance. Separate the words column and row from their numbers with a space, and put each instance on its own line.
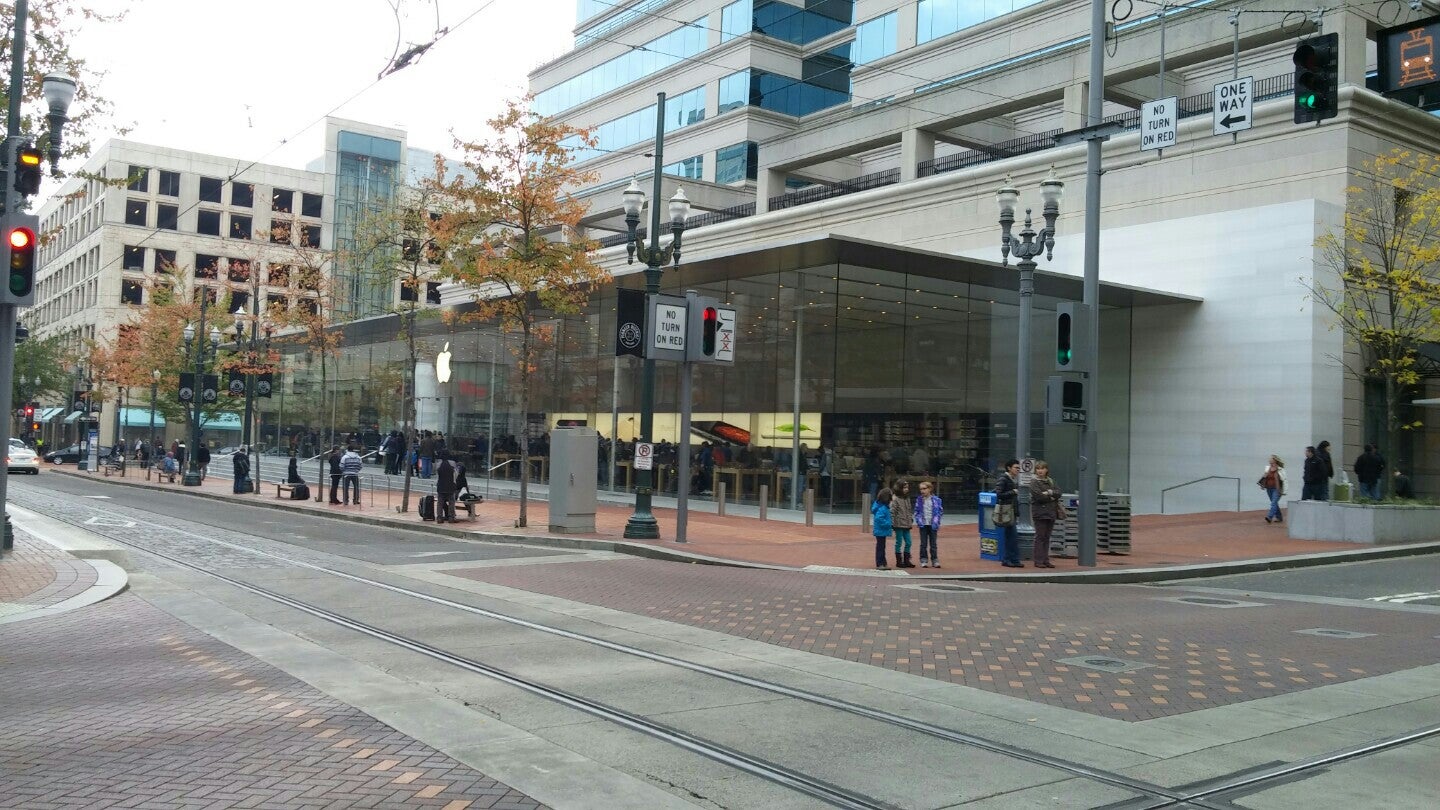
column 335, row 474
column 350, row 467
column 880, row 526
column 241, row 462
column 445, row 489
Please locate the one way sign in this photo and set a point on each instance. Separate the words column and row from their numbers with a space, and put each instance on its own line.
column 1232, row 106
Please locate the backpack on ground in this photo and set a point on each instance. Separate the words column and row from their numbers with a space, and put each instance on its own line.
column 300, row 492
column 427, row 507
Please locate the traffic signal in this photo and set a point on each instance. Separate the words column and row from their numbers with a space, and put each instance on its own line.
column 20, row 243
column 710, row 330
column 1317, row 78
column 1064, row 401
column 28, row 170
column 1064, row 340
column 1071, row 333
column 29, row 411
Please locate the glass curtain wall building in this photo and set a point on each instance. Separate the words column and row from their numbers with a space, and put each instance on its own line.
column 367, row 173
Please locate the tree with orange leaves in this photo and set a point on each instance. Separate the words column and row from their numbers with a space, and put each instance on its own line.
column 509, row 232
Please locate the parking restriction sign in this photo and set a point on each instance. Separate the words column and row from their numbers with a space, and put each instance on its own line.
column 644, row 456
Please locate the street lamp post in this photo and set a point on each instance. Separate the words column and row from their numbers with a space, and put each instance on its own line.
column 154, row 388
column 116, row 440
column 192, row 469
column 642, row 525
column 251, row 347
column 1026, row 248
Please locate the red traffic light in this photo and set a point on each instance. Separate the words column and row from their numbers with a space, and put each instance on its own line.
column 21, row 238
column 29, row 411
column 710, row 320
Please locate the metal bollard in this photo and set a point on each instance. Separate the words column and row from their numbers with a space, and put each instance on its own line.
column 764, row 501
column 865, row 513
column 720, row 499
column 809, row 499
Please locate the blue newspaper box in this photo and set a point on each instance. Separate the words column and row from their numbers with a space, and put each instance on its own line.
column 991, row 536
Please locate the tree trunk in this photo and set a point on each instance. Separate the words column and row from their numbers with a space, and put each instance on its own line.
column 412, row 438
column 524, row 430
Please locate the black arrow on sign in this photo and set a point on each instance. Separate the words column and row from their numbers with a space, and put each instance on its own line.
column 1230, row 120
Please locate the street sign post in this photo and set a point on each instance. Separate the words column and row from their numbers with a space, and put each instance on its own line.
column 1159, row 123
column 1232, row 106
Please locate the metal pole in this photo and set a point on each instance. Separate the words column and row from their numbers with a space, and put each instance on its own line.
column 682, row 489
column 248, row 435
column 7, row 311
column 192, row 466
column 614, row 418
column 797, row 464
column 1023, row 526
column 642, row 524
column 1089, row 435
column 490, row 425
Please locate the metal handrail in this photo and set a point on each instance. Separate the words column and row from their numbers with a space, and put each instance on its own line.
column 1199, row 480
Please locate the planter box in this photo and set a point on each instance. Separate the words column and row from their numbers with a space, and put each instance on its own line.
column 1374, row 524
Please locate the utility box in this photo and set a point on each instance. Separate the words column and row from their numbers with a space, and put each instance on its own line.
column 573, row 451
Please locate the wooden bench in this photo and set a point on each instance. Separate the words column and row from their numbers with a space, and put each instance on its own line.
column 469, row 506
column 284, row 490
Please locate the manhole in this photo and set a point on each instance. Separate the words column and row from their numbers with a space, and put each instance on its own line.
column 1105, row 663
column 1330, row 632
column 1209, row 601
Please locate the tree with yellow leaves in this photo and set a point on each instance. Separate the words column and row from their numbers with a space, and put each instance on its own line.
column 509, row 232
column 1385, row 257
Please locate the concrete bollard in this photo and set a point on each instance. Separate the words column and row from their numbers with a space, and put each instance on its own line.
column 865, row 513
column 809, row 507
column 720, row 499
column 764, row 501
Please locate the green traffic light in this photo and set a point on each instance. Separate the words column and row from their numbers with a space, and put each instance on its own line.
column 1309, row 101
column 1063, row 357
column 18, row 284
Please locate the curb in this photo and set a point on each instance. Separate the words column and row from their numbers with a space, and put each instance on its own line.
column 642, row 550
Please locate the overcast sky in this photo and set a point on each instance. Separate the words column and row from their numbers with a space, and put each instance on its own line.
column 238, row 79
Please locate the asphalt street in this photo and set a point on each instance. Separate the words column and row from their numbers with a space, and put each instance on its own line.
column 1408, row 580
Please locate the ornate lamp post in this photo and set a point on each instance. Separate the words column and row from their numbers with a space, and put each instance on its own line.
column 642, row 525
column 154, row 387
column 1026, row 248
column 192, row 469
column 251, row 348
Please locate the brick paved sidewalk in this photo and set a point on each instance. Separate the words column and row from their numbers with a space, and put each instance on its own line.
column 1157, row 540
column 35, row 575
column 121, row 705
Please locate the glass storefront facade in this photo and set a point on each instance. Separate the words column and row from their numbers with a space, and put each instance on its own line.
column 367, row 174
column 917, row 367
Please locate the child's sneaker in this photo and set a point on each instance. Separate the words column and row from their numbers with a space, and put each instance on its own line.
column 924, row 563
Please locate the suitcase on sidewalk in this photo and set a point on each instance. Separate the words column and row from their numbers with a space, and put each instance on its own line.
column 427, row 507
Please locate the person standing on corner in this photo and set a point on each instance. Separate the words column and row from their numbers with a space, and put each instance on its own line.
column 1312, row 478
column 350, row 467
column 1273, row 481
column 1007, row 490
column 427, row 454
column 445, row 490
column 1044, row 511
column 1322, row 451
column 870, row 472
column 202, row 456
column 1369, row 466
column 880, row 526
column 335, row 474
column 928, row 511
column 902, row 519
column 241, row 462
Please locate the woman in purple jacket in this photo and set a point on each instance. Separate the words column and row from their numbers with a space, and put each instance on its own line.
column 927, row 517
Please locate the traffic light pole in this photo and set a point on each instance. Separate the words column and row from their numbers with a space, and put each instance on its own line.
column 7, row 310
column 1089, row 434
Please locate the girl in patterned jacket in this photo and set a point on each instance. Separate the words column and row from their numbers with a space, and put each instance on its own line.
column 928, row 511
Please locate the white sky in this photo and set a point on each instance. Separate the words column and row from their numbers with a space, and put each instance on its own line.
column 182, row 72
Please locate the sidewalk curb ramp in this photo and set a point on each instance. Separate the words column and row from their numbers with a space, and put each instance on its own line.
column 671, row 554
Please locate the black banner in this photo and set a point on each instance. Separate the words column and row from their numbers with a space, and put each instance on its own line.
column 264, row 384
column 630, row 323
column 210, row 388
column 187, row 387
column 235, row 384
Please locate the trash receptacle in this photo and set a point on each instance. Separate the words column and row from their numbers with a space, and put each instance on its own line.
column 991, row 536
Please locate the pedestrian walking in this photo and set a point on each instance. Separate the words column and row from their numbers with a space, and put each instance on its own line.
column 1007, row 492
column 1369, row 466
column 902, row 519
column 1312, row 477
column 928, row 510
column 350, row 467
column 1322, row 452
column 241, row 462
column 1273, row 482
column 445, row 490
column 880, row 526
column 335, row 474
column 180, row 455
column 1045, row 509
column 202, row 458
column 870, row 472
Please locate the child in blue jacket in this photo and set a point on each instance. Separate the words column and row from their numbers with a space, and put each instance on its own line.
column 928, row 511
column 880, row 525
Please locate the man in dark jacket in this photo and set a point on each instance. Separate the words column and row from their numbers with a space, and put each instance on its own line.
column 427, row 454
column 445, row 490
column 202, row 456
column 335, row 474
column 241, row 462
column 1313, row 478
column 1368, row 467
column 1322, row 452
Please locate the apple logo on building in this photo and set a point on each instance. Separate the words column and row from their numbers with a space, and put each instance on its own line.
column 442, row 364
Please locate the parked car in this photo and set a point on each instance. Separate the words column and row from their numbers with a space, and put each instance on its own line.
column 22, row 460
column 71, row 454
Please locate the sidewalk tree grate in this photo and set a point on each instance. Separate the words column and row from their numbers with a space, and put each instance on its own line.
column 1209, row 601
column 1330, row 632
column 1105, row 663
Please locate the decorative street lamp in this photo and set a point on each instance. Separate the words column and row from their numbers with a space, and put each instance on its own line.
column 154, row 387
column 1029, row 245
column 251, row 348
column 192, row 469
column 642, row 525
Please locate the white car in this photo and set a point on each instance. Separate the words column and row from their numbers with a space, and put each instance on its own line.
column 22, row 459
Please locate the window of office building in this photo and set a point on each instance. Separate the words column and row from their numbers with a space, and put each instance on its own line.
column 310, row 205
column 131, row 292
column 240, row 227
column 169, row 184
column 280, row 232
column 164, row 260
column 627, row 130
column 139, row 178
column 737, row 163
column 279, row 275
column 310, row 235
column 242, row 195
column 875, row 38
column 432, row 292
column 737, row 19
column 239, row 301
column 826, row 83
column 282, row 200
column 653, row 56
column 277, row 303
column 206, row 266
column 134, row 258
column 210, row 189
column 136, row 212
column 803, row 25
column 207, row 222
column 366, row 180
column 239, row 270
column 167, row 217
column 937, row 18
column 585, row 9
column 690, row 168
column 309, row 305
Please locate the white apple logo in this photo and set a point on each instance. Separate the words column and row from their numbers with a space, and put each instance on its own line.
column 442, row 364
